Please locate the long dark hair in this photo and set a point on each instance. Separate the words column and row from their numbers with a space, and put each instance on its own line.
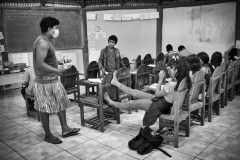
column 183, row 69
column 194, row 63
column 216, row 59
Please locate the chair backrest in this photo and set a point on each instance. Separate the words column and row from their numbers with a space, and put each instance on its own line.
column 138, row 61
column 142, row 77
column 159, row 57
column 70, row 78
column 124, row 77
column 197, row 85
column 214, row 80
column 223, row 66
column 179, row 96
column 147, row 59
column 161, row 65
column 106, row 86
column 126, row 62
column 230, row 72
column 236, row 68
column 93, row 70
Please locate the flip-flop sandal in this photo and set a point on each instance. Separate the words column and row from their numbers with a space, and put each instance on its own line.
column 170, row 132
column 73, row 132
column 54, row 141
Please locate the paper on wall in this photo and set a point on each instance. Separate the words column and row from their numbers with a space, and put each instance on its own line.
column 94, row 55
column 1, row 36
column 154, row 15
column 91, row 16
column 237, row 44
column 108, row 17
column 144, row 16
column 18, row 58
column 126, row 17
column 97, row 35
column 2, row 49
column 135, row 16
column 1, row 61
column 117, row 17
column 72, row 56
column 97, row 28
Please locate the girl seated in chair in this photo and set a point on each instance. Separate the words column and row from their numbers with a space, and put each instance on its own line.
column 162, row 101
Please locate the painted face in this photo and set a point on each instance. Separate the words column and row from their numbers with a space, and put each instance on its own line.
column 111, row 44
column 172, row 71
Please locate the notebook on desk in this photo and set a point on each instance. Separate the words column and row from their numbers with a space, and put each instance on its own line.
column 95, row 80
column 154, row 86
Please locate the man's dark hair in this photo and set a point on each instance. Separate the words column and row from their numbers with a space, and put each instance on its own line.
column 232, row 54
column 216, row 59
column 180, row 48
column 204, row 57
column 113, row 38
column 169, row 47
column 47, row 22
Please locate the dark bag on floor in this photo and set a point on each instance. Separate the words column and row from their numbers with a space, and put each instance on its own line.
column 146, row 141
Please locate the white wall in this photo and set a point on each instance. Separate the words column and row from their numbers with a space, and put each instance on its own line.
column 206, row 28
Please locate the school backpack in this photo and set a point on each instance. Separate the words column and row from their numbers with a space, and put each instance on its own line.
column 146, row 141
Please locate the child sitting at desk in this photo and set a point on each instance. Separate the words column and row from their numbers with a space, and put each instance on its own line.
column 28, row 79
column 162, row 101
column 110, row 59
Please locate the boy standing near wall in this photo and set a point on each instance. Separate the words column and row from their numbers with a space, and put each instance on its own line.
column 110, row 59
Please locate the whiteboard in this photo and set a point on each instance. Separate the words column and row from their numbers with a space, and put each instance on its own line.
column 135, row 37
column 207, row 28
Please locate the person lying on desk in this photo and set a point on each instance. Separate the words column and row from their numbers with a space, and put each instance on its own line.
column 110, row 59
column 162, row 101
column 28, row 79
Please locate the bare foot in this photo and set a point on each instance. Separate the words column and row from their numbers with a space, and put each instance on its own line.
column 108, row 100
column 114, row 80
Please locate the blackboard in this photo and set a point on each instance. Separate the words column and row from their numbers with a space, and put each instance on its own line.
column 21, row 28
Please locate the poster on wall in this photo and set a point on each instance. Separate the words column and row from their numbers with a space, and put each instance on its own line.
column 91, row 16
column 18, row 58
column 97, row 35
column 1, row 61
column 67, row 57
column 97, row 28
column 126, row 17
column 94, row 55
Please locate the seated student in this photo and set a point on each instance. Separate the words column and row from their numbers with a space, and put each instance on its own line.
column 28, row 79
column 230, row 56
column 204, row 58
column 171, row 54
column 216, row 61
column 162, row 101
column 110, row 59
column 194, row 63
column 183, row 52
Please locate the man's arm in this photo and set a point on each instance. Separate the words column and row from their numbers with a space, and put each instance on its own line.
column 41, row 54
column 100, row 62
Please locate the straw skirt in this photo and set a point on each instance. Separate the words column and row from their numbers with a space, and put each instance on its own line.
column 50, row 98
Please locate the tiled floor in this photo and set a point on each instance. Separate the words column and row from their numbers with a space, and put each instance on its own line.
column 21, row 137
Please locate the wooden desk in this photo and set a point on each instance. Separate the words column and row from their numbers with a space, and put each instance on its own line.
column 11, row 78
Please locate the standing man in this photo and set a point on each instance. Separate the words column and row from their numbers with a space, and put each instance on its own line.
column 183, row 52
column 50, row 95
column 110, row 59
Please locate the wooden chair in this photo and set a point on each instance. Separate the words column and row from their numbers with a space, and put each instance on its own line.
column 236, row 77
column 98, row 103
column 142, row 78
column 70, row 81
column 92, row 72
column 177, row 114
column 213, row 93
column 159, row 57
column 126, row 62
column 31, row 112
column 230, row 82
column 223, row 84
column 138, row 62
column 198, row 85
column 160, row 65
column 124, row 77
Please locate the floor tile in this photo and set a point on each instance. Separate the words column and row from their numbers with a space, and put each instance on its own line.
column 93, row 133
column 218, row 153
column 234, row 130
column 24, row 141
column 6, row 123
column 175, row 155
column 62, row 156
column 5, row 150
column 228, row 141
column 13, row 132
column 12, row 156
column 40, row 151
column 189, row 146
column 72, row 141
column 225, row 120
column 114, row 139
column 89, row 150
column 116, row 155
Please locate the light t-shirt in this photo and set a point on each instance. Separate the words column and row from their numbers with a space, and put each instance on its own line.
column 169, row 88
column 29, row 76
